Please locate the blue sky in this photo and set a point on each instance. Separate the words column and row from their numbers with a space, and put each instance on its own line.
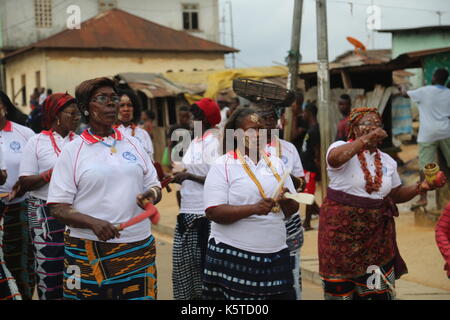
column 262, row 28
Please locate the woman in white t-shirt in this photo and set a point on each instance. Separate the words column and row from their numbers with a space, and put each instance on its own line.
column 17, row 249
column 101, row 179
column 192, row 229
column 356, row 226
column 61, row 119
column 247, row 255
column 129, row 116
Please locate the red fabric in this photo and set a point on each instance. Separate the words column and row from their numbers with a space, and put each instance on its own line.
column 89, row 139
column 52, row 105
column 343, row 129
column 310, row 178
column 211, row 110
column 354, row 236
column 443, row 237
column 8, row 126
column 47, row 175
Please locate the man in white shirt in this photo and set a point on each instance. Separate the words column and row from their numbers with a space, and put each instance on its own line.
column 434, row 117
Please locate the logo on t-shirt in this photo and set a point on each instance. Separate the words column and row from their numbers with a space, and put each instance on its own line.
column 384, row 170
column 285, row 159
column 129, row 156
column 15, row 146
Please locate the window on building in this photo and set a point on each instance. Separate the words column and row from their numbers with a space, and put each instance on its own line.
column 13, row 91
column 43, row 13
column 190, row 16
column 24, row 90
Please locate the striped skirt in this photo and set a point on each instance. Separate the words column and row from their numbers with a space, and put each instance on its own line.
column 47, row 236
column 188, row 255
column 294, row 241
column 367, row 287
column 8, row 286
column 17, row 247
column 96, row 270
column 234, row 274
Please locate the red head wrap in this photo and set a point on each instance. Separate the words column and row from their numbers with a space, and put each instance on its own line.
column 211, row 110
column 356, row 115
column 53, row 104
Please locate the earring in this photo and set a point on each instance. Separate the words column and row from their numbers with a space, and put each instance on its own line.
column 86, row 113
column 57, row 122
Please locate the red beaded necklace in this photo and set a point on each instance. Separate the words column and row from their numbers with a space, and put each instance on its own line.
column 372, row 185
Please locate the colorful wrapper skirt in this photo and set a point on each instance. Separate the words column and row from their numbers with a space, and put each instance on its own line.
column 8, row 285
column 17, row 247
column 188, row 256
column 47, row 236
column 109, row 271
column 234, row 274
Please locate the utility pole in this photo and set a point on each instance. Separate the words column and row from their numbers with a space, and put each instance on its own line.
column 232, row 33
column 293, row 61
column 323, row 89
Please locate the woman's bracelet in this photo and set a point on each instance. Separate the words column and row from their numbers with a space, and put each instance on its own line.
column 419, row 187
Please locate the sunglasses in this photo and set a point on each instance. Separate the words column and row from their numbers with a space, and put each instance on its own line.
column 104, row 100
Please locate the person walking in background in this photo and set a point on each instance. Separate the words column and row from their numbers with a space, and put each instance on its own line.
column 147, row 118
column 310, row 156
column 129, row 116
column 17, row 246
column 101, row 179
column 176, row 135
column 192, row 228
column 434, row 117
column 61, row 119
column 345, row 106
column 44, row 95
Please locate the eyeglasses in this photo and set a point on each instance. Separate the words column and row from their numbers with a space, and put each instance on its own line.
column 371, row 124
column 104, row 100
column 72, row 114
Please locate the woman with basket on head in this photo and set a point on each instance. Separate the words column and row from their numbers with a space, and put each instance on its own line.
column 100, row 180
column 356, row 226
column 247, row 255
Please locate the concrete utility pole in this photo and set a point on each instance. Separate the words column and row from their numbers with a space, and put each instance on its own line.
column 294, row 59
column 323, row 89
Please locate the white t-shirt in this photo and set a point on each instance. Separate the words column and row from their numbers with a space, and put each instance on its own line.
column 141, row 135
column 228, row 183
column 40, row 156
column 103, row 184
column 349, row 178
column 198, row 159
column 13, row 139
column 434, row 112
column 289, row 155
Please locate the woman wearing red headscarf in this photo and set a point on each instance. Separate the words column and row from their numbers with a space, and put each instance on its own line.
column 356, row 227
column 192, row 229
column 61, row 118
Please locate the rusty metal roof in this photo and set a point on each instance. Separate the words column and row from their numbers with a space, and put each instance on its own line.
column 371, row 56
column 119, row 30
column 154, row 85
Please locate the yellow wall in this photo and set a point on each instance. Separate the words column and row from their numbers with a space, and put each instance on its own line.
column 63, row 70
column 66, row 69
column 27, row 64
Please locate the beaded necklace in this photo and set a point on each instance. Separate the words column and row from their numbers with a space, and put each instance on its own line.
column 111, row 146
column 372, row 185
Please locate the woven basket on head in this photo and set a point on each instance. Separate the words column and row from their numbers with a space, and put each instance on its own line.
column 262, row 92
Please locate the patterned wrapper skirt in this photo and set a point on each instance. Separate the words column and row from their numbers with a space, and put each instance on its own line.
column 367, row 287
column 47, row 236
column 188, row 255
column 8, row 285
column 109, row 271
column 234, row 274
column 17, row 247
column 294, row 241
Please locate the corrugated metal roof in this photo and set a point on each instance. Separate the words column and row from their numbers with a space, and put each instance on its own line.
column 119, row 30
column 423, row 28
column 152, row 84
column 364, row 57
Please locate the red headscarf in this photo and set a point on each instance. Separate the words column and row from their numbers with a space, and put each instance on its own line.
column 52, row 105
column 211, row 110
column 356, row 115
